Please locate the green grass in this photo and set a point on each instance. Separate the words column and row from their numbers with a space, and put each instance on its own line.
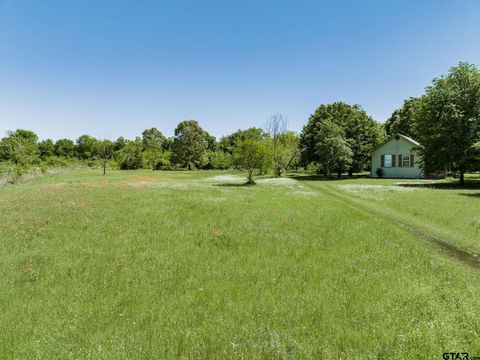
column 148, row 264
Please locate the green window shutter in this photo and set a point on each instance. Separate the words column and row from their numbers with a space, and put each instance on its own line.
column 382, row 160
column 412, row 160
column 400, row 159
column 393, row 160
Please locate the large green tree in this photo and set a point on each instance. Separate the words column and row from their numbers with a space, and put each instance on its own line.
column 447, row 122
column 402, row 119
column 333, row 152
column 65, row 148
column 153, row 142
column 130, row 156
column 20, row 147
column 228, row 143
column 360, row 132
column 190, row 144
column 46, row 148
column 86, row 146
column 251, row 154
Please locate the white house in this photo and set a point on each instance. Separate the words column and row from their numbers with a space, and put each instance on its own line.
column 397, row 158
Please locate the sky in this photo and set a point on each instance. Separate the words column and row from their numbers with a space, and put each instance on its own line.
column 114, row 67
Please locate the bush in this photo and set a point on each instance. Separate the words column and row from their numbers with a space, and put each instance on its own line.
column 379, row 172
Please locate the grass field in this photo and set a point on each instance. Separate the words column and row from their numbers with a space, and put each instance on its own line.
column 145, row 264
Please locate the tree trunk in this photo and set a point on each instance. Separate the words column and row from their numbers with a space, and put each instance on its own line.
column 104, row 167
column 350, row 171
column 250, row 177
column 462, row 177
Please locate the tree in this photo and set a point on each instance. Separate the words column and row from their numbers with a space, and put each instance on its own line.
column 333, row 152
column 86, row 147
column 228, row 143
column 276, row 127
column 250, row 155
column 219, row 159
column 190, row 144
column 46, row 148
column 130, row 156
column 447, row 122
column 104, row 151
column 20, row 147
column 361, row 133
column 153, row 139
column 65, row 147
column 401, row 121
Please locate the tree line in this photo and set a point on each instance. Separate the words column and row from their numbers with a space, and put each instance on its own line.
column 337, row 138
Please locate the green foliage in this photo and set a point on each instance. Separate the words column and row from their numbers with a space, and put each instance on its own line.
column 250, row 155
column 219, row 159
column 228, row 143
column 332, row 151
column 153, row 139
column 360, row 133
column 379, row 172
column 46, row 149
column 287, row 152
column 402, row 119
column 447, row 122
column 20, row 147
column 65, row 147
column 130, row 156
column 86, row 147
column 190, row 144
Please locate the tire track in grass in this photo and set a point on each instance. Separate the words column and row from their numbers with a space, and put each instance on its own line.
column 406, row 223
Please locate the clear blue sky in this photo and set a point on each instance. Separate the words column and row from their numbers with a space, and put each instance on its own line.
column 111, row 68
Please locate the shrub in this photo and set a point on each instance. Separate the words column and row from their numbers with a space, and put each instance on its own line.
column 379, row 172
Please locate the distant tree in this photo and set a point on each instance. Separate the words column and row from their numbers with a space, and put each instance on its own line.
column 360, row 132
column 333, row 152
column 65, row 148
column 104, row 150
column 228, row 143
column 250, row 155
column 190, row 144
column 86, row 146
column 153, row 139
column 20, row 147
column 130, row 156
column 289, row 150
column 219, row 159
column 447, row 122
column 276, row 126
column 46, row 148
column 120, row 143
column 401, row 121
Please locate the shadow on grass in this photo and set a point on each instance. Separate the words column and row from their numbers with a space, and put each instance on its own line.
column 234, row 185
column 326, row 178
column 445, row 185
column 472, row 195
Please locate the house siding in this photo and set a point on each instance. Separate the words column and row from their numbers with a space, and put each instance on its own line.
column 396, row 148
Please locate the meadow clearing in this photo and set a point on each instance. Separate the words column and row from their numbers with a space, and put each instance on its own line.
column 142, row 264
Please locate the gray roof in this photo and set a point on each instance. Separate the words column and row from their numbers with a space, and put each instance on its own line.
column 410, row 140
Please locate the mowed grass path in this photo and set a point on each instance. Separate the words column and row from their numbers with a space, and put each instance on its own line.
column 148, row 264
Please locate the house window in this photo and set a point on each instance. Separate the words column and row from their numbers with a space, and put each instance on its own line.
column 406, row 160
column 388, row 161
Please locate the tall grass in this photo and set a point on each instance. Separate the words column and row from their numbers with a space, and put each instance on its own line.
column 143, row 264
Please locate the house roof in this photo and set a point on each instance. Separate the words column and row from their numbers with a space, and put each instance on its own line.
column 410, row 140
